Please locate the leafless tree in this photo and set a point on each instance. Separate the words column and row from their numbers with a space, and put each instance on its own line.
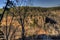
column 7, row 7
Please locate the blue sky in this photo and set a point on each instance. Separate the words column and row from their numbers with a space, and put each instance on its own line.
column 2, row 3
column 46, row 3
column 40, row 3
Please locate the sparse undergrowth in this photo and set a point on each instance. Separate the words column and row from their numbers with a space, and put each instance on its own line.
column 34, row 21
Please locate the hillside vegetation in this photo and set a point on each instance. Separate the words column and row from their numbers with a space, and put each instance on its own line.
column 34, row 21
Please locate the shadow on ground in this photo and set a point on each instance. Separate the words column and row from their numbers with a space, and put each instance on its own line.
column 41, row 37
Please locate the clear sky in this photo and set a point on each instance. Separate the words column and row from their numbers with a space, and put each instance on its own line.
column 46, row 3
column 40, row 3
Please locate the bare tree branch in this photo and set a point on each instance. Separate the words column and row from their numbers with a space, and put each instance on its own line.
column 14, row 32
